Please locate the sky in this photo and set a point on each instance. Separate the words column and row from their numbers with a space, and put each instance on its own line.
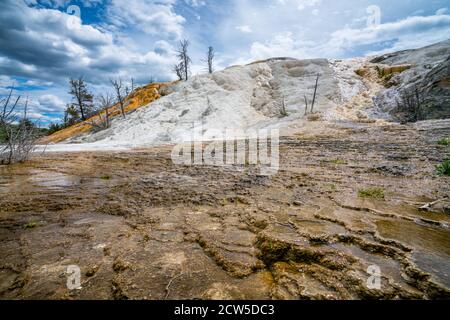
column 43, row 43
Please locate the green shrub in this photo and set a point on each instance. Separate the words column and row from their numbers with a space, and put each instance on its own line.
column 444, row 168
column 31, row 225
column 444, row 142
column 374, row 193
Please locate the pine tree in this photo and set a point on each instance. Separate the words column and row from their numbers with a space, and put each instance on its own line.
column 83, row 98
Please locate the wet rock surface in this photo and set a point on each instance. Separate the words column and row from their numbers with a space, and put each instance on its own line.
column 140, row 227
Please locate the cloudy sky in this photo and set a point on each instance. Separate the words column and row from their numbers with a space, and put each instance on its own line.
column 45, row 42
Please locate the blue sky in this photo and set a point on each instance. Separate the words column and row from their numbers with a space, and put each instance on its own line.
column 43, row 43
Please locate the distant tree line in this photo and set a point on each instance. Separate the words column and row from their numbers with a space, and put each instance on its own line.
column 84, row 106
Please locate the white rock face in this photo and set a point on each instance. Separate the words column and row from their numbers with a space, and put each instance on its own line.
column 238, row 98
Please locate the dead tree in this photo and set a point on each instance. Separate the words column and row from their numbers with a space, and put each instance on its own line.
column 120, row 96
column 19, row 133
column 83, row 99
column 183, row 56
column 315, row 92
column 410, row 104
column 179, row 69
column 306, row 105
column 105, row 101
column 283, row 111
column 210, row 59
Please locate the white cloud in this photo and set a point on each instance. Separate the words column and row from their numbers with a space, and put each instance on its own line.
column 282, row 45
column 6, row 81
column 156, row 17
column 39, row 46
column 50, row 103
column 302, row 4
column 196, row 3
column 404, row 34
column 244, row 29
column 442, row 11
column 414, row 31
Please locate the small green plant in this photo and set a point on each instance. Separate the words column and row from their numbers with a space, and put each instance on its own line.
column 444, row 168
column 105, row 177
column 31, row 225
column 444, row 142
column 374, row 193
column 338, row 161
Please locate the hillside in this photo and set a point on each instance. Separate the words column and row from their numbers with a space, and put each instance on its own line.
column 278, row 93
column 427, row 78
column 240, row 98
column 140, row 97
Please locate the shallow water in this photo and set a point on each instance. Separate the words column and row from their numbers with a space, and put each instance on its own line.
column 431, row 245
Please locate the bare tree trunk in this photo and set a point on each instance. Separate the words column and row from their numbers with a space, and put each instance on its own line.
column 179, row 70
column 315, row 92
column 306, row 105
column 411, row 103
column 117, row 84
column 107, row 117
column 211, row 54
column 79, row 91
column 283, row 111
column 105, row 102
column 20, row 134
column 185, row 60
column 80, row 103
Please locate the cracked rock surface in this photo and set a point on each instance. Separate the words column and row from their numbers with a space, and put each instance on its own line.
column 140, row 227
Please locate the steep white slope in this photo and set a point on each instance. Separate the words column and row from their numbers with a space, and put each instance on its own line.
column 238, row 98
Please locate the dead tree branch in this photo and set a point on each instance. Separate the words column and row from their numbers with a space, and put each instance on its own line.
column 105, row 101
column 120, row 96
column 210, row 59
column 19, row 133
column 183, row 56
column 315, row 92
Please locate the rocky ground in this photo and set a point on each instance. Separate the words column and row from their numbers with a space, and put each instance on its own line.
column 140, row 227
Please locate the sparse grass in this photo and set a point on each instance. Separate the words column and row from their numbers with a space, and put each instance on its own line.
column 444, row 168
column 338, row 161
column 332, row 187
column 444, row 142
column 31, row 225
column 374, row 193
